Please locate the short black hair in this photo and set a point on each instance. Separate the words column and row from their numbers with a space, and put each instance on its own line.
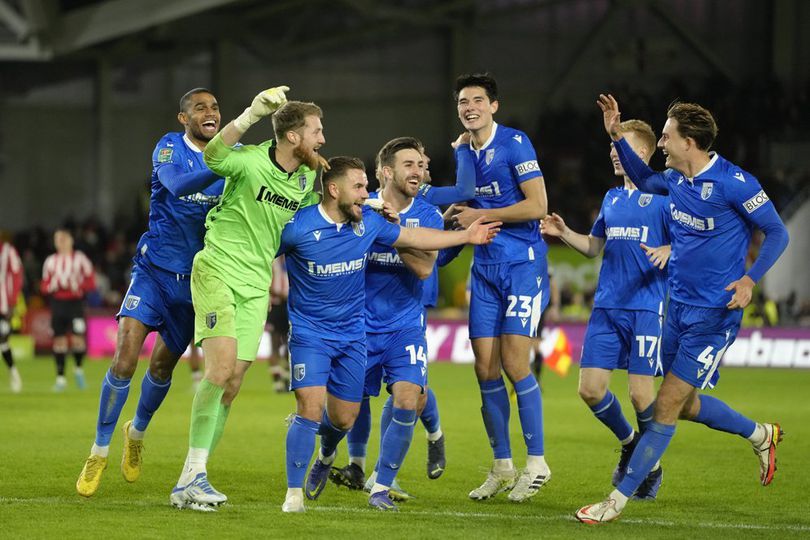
column 484, row 80
column 184, row 101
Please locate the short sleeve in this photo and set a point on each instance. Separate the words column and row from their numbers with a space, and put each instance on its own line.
column 287, row 238
column 384, row 232
column 598, row 228
column 523, row 158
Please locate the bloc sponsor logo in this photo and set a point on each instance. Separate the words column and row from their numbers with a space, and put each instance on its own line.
column 211, row 320
column 756, row 201
column 132, row 301
column 527, row 167
column 299, row 372
column 696, row 223
column 644, row 199
column 165, row 155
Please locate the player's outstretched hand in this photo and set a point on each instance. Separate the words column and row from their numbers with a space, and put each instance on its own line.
column 450, row 214
column 464, row 138
column 610, row 114
column 552, row 225
column 264, row 104
column 743, row 290
column 483, row 233
column 659, row 256
column 389, row 213
column 324, row 163
column 466, row 216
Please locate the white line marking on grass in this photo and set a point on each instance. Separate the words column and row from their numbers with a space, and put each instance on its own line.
column 72, row 501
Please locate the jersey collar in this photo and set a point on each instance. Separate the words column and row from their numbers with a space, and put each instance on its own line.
column 190, row 144
column 326, row 217
column 709, row 165
column 488, row 141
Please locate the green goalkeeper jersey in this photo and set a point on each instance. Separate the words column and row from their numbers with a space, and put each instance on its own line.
column 243, row 231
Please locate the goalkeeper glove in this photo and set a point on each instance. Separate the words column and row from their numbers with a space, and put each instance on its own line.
column 265, row 104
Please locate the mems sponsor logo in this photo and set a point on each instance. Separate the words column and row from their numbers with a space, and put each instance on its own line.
column 267, row 196
column 756, row 201
column 386, row 258
column 340, row 268
column 489, row 190
column 527, row 167
column 638, row 234
column 699, row 224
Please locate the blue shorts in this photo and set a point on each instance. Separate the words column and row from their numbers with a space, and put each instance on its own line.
column 396, row 356
column 623, row 339
column 161, row 300
column 508, row 298
column 340, row 366
column 695, row 339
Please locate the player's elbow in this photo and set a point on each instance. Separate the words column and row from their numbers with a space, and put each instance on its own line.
column 424, row 272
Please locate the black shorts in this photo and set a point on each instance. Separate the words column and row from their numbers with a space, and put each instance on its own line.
column 5, row 327
column 279, row 318
column 67, row 316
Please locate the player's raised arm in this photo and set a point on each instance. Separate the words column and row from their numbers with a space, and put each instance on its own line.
column 464, row 189
column 181, row 183
column 587, row 244
column 430, row 239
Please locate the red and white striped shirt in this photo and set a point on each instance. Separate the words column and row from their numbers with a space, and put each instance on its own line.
column 67, row 277
column 11, row 277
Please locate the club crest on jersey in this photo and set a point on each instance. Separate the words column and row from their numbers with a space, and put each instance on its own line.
column 211, row 320
column 302, row 181
column 489, row 156
column 706, row 191
column 132, row 301
column 299, row 371
column 644, row 199
column 412, row 222
column 359, row 228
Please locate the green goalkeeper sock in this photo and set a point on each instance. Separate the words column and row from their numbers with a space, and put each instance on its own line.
column 224, row 410
column 205, row 410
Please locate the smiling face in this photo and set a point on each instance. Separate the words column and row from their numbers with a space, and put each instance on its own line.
column 635, row 143
column 475, row 110
column 674, row 145
column 201, row 117
column 407, row 172
column 307, row 140
column 351, row 191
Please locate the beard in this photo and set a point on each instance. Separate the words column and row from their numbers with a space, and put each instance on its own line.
column 307, row 157
column 348, row 211
column 198, row 134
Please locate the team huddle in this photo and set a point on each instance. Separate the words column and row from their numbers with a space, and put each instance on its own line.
column 362, row 271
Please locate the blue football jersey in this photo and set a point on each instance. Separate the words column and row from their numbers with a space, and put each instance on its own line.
column 176, row 224
column 394, row 294
column 627, row 279
column 326, row 264
column 713, row 216
column 505, row 161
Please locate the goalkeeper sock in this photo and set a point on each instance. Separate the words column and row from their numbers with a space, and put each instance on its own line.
column 204, row 413
column 222, row 417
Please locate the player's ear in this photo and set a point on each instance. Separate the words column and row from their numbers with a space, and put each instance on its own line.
column 293, row 137
column 494, row 105
column 182, row 118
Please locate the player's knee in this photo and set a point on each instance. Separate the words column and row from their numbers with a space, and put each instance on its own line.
column 591, row 394
column 641, row 399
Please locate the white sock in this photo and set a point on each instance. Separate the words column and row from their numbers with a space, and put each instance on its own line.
column 656, row 466
column 621, row 499
column 503, row 465
column 196, row 460
column 326, row 460
column 359, row 461
column 295, row 492
column 372, row 478
column 135, row 434
column 759, row 435
column 435, row 436
column 536, row 464
column 78, row 371
column 60, row 379
column 102, row 451
column 377, row 487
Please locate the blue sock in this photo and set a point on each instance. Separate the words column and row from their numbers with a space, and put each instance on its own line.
column 530, row 410
column 330, row 435
column 717, row 415
column 645, row 417
column 650, row 448
column 495, row 410
column 609, row 412
column 114, row 394
column 430, row 414
column 358, row 436
column 152, row 393
column 300, row 445
column 385, row 421
column 395, row 444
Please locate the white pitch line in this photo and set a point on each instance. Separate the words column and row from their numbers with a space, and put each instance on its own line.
column 437, row 514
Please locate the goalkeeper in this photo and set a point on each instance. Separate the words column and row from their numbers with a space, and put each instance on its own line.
column 265, row 184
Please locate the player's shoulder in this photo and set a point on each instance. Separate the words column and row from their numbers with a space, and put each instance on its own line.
column 511, row 137
column 733, row 175
column 172, row 139
column 422, row 207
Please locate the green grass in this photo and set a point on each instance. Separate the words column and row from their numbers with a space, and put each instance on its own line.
column 711, row 485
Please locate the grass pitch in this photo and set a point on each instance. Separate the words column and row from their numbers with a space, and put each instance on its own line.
column 711, row 485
